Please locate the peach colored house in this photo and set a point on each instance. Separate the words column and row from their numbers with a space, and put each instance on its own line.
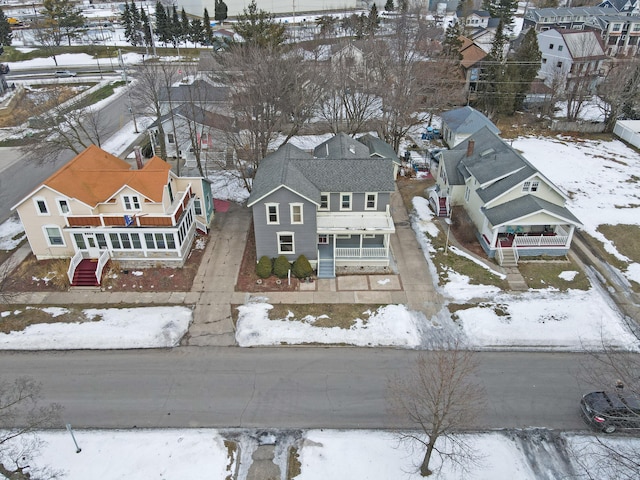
column 97, row 207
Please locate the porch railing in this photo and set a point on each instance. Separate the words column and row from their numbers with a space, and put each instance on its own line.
column 361, row 252
column 540, row 240
column 73, row 264
column 102, row 261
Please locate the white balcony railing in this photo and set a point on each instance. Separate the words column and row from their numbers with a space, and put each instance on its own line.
column 361, row 252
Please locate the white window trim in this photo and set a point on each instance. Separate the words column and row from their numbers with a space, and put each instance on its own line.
column 291, row 208
column 328, row 195
column 293, row 243
column 323, row 239
column 350, row 201
column 133, row 199
column 526, row 186
column 46, row 206
column 46, row 235
column 58, row 200
column 266, row 208
column 375, row 200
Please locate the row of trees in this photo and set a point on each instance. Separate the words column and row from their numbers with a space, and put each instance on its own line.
column 170, row 27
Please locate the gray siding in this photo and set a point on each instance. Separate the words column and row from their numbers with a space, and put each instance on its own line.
column 305, row 235
column 357, row 202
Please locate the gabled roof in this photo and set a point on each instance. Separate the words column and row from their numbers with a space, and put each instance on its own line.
column 291, row 168
column 471, row 53
column 583, row 43
column 554, row 13
column 94, row 176
column 467, row 120
column 198, row 91
column 341, row 146
column 524, row 206
column 493, row 163
column 204, row 117
column 618, row 5
column 379, row 148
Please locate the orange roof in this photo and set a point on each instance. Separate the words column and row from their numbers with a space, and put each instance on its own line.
column 471, row 53
column 94, row 176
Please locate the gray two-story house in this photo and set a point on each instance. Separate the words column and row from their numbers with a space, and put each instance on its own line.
column 332, row 205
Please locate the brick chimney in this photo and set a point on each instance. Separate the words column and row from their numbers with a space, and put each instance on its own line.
column 139, row 161
column 470, row 145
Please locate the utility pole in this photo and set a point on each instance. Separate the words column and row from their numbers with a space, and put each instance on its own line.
column 126, row 82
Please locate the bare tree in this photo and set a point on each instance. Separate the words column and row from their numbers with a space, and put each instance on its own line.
column 154, row 97
column 272, row 94
column 21, row 417
column 440, row 396
column 349, row 100
column 69, row 124
column 620, row 90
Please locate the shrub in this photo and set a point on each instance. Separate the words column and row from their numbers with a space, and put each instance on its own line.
column 264, row 266
column 301, row 267
column 281, row 267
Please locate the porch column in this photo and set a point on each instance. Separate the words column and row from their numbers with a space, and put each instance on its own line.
column 360, row 249
column 570, row 236
column 494, row 237
column 386, row 244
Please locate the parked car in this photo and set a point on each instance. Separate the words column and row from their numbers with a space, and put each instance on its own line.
column 609, row 411
column 4, row 68
column 65, row 73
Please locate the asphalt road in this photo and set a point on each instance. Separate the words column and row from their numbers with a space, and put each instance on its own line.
column 24, row 174
column 283, row 387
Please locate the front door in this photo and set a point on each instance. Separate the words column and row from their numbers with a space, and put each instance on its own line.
column 88, row 243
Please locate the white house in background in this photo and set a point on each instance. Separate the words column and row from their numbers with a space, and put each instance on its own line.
column 97, row 207
column 574, row 55
column 197, row 132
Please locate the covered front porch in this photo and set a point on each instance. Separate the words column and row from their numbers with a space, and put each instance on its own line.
column 353, row 240
column 510, row 242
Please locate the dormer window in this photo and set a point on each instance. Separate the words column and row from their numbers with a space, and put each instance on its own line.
column 131, row 202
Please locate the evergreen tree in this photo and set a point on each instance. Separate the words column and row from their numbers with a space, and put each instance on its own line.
column 5, row 30
column 373, row 21
column 259, row 28
column 208, row 31
column 62, row 19
column 146, row 28
column 452, row 42
column 185, row 26
column 136, row 25
column 389, row 6
column 125, row 19
column 496, row 87
column 502, row 9
column 176, row 26
column 163, row 30
column 196, row 32
column 527, row 63
column 221, row 10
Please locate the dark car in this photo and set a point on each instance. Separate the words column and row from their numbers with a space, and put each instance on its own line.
column 609, row 411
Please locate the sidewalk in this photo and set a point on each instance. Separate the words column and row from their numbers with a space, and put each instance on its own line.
column 213, row 290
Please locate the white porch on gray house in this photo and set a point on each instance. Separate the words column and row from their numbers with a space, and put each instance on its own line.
column 353, row 239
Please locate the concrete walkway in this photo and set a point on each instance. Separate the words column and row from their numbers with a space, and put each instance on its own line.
column 213, row 291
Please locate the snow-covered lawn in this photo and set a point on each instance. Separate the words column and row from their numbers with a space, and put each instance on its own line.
column 107, row 328
column 323, row 454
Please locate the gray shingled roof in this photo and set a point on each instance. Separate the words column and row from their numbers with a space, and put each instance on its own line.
column 505, row 184
column 467, row 120
column 297, row 170
column 199, row 90
column 523, row 206
column 491, row 159
column 341, row 146
column 451, row 159
column 378, row 147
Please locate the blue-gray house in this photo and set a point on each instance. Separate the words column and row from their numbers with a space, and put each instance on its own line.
column 461, row 123
column 332, row 205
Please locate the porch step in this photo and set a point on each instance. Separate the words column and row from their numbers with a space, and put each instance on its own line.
column 85, row 274
column 326, row 271
column 508, row 259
